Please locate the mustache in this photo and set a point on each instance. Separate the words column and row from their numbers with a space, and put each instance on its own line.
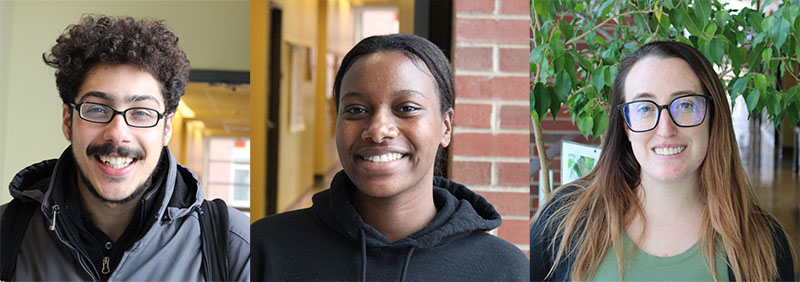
column 109, row 148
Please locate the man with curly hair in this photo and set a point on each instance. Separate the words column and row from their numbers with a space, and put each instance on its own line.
column 116, row 205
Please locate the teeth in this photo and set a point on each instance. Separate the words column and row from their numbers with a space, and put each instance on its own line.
column 388, row 157
column 669, row 151
column 116, row 162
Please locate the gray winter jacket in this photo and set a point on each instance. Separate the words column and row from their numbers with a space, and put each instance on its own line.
column 169, row 250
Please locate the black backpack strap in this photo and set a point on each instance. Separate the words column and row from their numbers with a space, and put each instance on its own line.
column 214, row 230
column 13, row 226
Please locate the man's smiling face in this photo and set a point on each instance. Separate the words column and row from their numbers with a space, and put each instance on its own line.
column 115, row 161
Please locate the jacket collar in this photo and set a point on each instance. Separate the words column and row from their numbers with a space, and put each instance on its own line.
column 42, row 182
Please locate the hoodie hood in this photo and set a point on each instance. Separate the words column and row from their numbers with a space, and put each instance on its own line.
column 43, row 183
column 459, row 213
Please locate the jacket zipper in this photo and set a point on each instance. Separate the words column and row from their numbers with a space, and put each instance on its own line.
column 55, row 212
column 81, row 255
column 106, row 268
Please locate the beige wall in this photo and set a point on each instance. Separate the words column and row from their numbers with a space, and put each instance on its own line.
column 214, row 35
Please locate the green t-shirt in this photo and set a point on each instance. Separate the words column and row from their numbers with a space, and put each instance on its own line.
column 687, row 266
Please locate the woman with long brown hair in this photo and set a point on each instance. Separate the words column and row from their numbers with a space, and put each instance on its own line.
column 669, row 199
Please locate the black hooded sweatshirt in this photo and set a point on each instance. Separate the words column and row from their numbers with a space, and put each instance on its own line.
column 331, row 242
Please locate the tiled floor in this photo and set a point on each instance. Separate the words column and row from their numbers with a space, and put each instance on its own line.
column 778, row 191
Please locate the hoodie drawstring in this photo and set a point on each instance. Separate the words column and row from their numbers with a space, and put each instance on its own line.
column 363, row 256
column 55, row 212
column 405, row 264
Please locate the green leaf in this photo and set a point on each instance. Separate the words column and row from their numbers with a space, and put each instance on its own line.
column 584, row 63
column 603, row 9
column 760, row 82
column 566, row 30
column 585, row 125
column 598, row 77
column 779, row 30
column 542, row 9
column 557, row 48
column 754, row 58
column 665, row 22
column 702, row 9
column 641, row 23
column 722, row 18
column 608, row 75
column 739, row 86
column 716, row 50
column 555, row 104
column 711, row 28
column 685, row 20
column 736, row 56
column 752, row 100
column 534, row 114
column 600, row 124
column 562, row 85
column 579, row 8
column 766, row 55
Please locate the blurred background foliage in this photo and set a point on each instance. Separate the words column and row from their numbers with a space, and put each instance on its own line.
column 577, row 45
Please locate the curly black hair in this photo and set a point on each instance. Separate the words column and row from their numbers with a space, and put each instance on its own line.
column 148, row 44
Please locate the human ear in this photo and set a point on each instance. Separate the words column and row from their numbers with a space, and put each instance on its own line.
column 447, row 132
column 168, row 119
column 66, row 121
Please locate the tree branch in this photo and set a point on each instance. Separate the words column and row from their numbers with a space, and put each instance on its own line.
column 574, row 39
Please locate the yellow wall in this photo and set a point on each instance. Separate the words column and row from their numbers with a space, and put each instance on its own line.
column 214, row 35
column 259, row 28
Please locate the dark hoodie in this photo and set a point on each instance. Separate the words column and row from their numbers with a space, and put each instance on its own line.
column 330, row 241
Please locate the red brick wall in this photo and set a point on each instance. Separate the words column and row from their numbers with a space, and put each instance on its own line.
column 490, row 152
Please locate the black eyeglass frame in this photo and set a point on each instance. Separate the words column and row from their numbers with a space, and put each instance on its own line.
column 621, row 108
column 114, row 113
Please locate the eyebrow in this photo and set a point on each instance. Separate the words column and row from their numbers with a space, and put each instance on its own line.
column 396, row 93
column 650, row 95
column 132, row 99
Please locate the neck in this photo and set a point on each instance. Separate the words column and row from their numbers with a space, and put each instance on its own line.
column 399, row 216
column 111, row 218
column 670, row 198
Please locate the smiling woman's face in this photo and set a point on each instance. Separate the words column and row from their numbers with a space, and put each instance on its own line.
column 668, row 152
column 389, row 125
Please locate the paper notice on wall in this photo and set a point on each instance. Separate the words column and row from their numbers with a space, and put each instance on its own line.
column 296, row 75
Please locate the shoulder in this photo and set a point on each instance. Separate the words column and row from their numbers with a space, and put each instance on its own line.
column 239, row 225
column 505, row 260
column 783, row 250
column 543, row 232
column 283, row 225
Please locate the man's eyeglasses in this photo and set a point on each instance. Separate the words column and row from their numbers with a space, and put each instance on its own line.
column 685, row 111
column 134, row 117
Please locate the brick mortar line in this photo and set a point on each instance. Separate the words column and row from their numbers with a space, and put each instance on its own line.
column 494, row 118
column 493, row 173
column 484, row 16
column 546, row 131
column 523, row 247
column 460, row 129
column 462, row 158
column 495, row 59
column 516, row 217
column 463, row 101
column 496, row 10
column 491, row 73
column 491, row 44
column 519, row 189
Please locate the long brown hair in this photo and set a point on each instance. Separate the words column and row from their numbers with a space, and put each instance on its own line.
column 591, row 222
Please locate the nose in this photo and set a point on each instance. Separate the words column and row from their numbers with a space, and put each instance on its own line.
column 381, row 126
column 117, row 130
column 666, row 127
